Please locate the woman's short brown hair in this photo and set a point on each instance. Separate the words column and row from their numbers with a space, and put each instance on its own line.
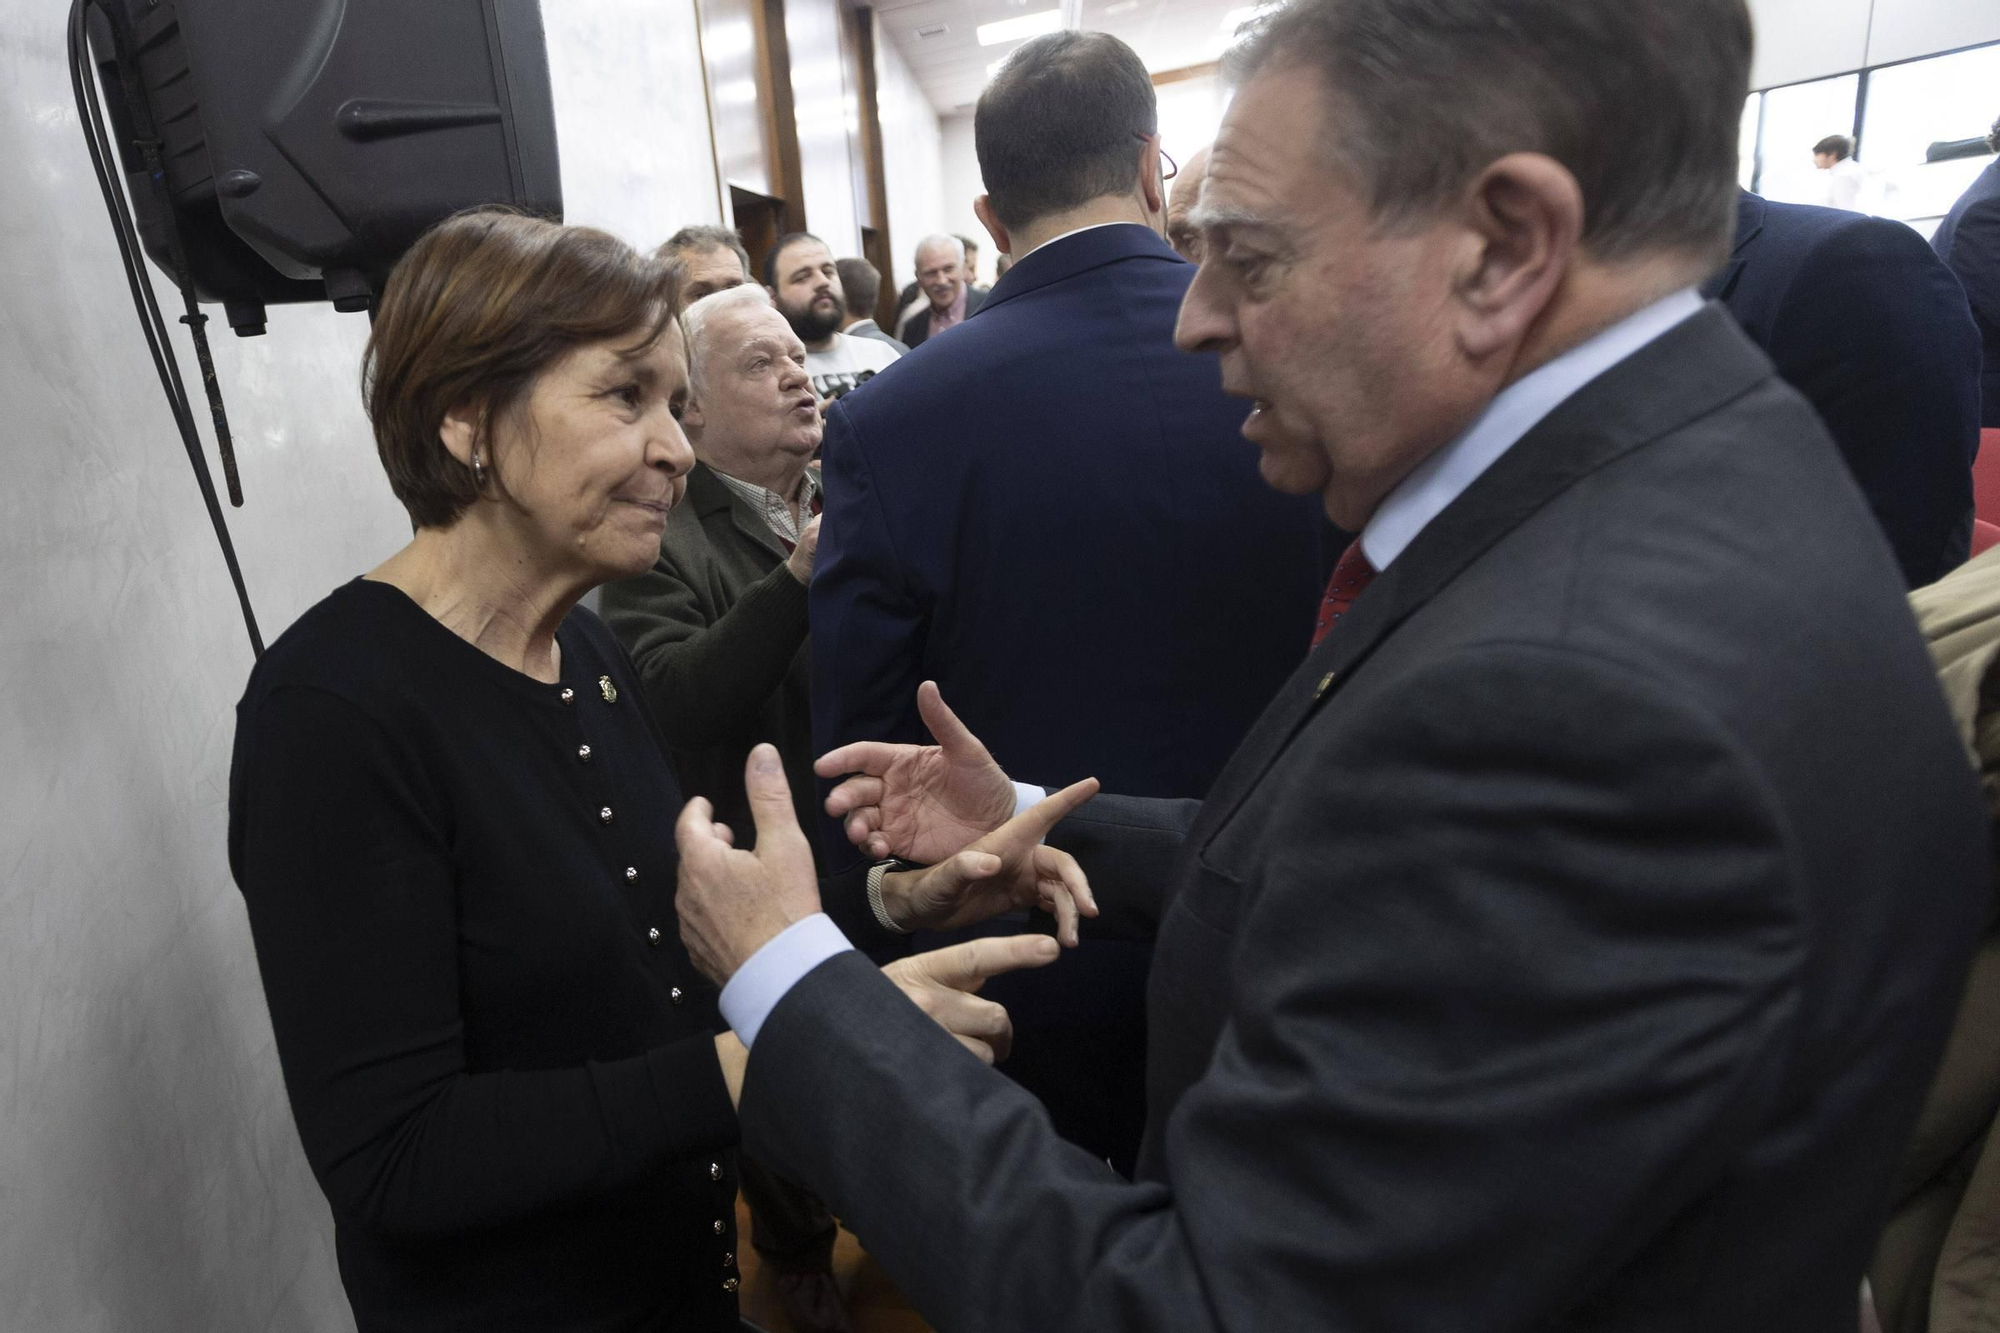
column 482, row 304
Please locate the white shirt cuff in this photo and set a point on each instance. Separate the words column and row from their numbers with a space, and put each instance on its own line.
column 773, row 970
column 1026, row 796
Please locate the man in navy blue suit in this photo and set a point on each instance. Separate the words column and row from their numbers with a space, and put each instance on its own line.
column 1860, row 317
column 1052, row 514
column 1969, row 241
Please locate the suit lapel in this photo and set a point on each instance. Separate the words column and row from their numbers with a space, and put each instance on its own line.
column 1688, row 372
column 711, row 499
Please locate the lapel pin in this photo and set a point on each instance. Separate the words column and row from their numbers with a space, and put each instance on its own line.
column 607, row 689
column 1325, row 683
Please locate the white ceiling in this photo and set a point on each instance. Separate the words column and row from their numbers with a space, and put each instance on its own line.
column 951, row 65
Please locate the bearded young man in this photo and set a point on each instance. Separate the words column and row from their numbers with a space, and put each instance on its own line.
column 805, row 283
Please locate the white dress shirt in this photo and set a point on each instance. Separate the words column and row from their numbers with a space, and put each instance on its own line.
column 783, row 962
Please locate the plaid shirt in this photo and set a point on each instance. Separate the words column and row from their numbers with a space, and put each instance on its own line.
column 771, row 506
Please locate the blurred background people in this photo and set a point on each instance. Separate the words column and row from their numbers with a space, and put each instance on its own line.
column 709, row 259
column 1834, row 155
column 949, row 294
column 1863, row 319
column 1185, row 238
column 1969, row 241
column 805, row 283
column 861, row 284
column 1052, row 514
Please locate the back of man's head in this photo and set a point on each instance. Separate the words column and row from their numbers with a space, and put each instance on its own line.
column 861, row 282
column 701, row 240
column 1993, row 139
column 1836, row 146
column 1060, row 125
column 1640, row 100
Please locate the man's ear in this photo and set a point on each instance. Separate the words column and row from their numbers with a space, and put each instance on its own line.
column 1523, row 219
column 982, row 208
column 1152, row 193
column 691, row 417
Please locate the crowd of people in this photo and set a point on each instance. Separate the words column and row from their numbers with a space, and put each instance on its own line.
column 1491, row 850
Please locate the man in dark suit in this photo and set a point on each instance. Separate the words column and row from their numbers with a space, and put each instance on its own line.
column 1969, row 241
column 1570, row 943
column 1860, row 317
column 1060, row 435
column 951, row 295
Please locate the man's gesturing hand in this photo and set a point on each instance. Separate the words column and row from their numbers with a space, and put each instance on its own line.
column 941, row 983
column 732, row 902
column 919, row 802
column 1006, row 869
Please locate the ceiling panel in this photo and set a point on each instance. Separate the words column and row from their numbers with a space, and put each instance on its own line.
column 951, row 66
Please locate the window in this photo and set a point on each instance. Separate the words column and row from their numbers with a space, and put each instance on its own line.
column 1746, row 142
column 1796, row 118
column 1914, row 105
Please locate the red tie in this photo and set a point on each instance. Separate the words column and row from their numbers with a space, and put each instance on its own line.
column 1351, row 578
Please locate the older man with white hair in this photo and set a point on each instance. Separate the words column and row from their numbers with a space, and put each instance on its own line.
column 947, row 286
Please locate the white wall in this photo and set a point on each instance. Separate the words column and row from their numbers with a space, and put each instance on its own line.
column 911, row 159
column 959, row 173
column 151, row 1177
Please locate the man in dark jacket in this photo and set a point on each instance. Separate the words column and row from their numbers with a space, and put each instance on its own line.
column 1055, row 472
column 1860, row 317
column 1969, row 241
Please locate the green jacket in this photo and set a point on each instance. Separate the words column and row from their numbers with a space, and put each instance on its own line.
column 1937, row 1269
column 718, row 632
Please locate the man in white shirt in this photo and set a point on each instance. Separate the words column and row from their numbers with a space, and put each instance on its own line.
column 1844, row 176
column 804, row 282
column 1571, row 942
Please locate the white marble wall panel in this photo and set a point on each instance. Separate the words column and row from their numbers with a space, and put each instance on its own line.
column 910, row 157
column 150, row 1175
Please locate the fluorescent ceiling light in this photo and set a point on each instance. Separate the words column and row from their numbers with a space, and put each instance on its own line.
column 1015, row 29
column 1122, row 7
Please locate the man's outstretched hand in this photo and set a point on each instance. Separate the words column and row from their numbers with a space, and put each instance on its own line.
column 1006, row 869
column 919, row 802
column 942, row 982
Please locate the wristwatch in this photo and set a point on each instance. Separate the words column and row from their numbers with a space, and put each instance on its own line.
column 875, row 873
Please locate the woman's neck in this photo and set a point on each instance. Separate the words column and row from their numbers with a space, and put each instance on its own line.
column 477, row 586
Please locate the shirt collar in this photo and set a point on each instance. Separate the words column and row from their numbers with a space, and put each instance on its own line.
column 771, row 507
column 1518, row 409
column 1078, row 231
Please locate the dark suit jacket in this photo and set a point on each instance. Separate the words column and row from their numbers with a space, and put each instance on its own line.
column 918, row 326
column 1053, row 515
column 1969, row 241
column 1861, row 318
column 1567, row 947
column 717, row 629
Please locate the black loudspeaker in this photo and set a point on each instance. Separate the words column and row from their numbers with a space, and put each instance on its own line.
column 292, row 150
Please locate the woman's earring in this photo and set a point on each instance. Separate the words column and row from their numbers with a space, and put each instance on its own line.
column 478, row 471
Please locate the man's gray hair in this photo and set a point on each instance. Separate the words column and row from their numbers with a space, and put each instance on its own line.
column 943, row 241
column 1641, row 100
column 694, row 323
column 700, row 240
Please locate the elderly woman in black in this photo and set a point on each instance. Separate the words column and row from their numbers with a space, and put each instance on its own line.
column 452, row 822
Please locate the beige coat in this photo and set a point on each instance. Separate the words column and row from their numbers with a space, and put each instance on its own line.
column 1938, row 1267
